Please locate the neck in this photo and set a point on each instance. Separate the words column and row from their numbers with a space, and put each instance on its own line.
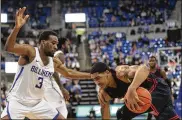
column 112, row 82
column 152, row 68
column 44, row 58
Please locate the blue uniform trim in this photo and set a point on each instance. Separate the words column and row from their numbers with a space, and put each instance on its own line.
column 55, row 118
column 17, row 78
column 8, row 111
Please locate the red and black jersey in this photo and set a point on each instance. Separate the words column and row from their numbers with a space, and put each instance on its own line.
column 158, row 88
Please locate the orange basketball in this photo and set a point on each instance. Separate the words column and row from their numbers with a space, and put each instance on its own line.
column 145, row 97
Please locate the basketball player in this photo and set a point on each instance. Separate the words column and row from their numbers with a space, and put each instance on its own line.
column 123, row 82
column 155, row 69
column 55, row 94
column 27, row 92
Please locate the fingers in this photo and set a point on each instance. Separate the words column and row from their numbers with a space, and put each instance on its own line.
column 21, row 11
column 68, row 97
column 101, row 100
column 139, row 101
column 133, row 105
column 17, row 12
column 136, row 106
column 26, row 17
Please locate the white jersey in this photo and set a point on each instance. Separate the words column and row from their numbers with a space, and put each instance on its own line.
column 28, row 82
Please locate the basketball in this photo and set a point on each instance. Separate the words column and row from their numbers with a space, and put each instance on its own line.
column 145, row 97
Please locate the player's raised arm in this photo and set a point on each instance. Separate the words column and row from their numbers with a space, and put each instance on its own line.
column 11, row 45
column 59, row 67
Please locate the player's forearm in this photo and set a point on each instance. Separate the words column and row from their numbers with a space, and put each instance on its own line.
column 79, row 75
column 105, row 112
column 11, row 41
column 56, row 77
column 83, row 75
column 140, row 76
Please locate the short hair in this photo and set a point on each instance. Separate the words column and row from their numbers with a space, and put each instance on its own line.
column 45, row 35
column 153, row 56
column 99, row 67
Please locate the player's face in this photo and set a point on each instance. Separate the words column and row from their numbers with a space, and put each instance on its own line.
column 152, row 62
column 50, row 46
column 100, row 79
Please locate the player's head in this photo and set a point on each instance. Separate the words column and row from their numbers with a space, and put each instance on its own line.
column 60, row 55
column 99, row 73
column 48, row 41
column 152, row 61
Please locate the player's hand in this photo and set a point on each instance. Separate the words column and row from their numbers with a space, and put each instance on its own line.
column 65, row 94
column 20, row 17
column 103, row 97
column 131, row 98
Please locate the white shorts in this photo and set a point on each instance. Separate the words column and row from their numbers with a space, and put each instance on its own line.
column 16, row 110
column 54, row 97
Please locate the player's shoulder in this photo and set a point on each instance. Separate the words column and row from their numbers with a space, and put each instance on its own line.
column 32, row 51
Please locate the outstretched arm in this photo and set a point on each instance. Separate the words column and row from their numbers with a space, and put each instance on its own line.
column 11, row 45
column 59, row 67
column 87, row 75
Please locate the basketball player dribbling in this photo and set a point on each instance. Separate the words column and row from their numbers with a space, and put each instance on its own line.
column 123, row 82
column 26, row 95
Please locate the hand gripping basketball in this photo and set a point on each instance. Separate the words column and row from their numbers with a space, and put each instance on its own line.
column 143, row 104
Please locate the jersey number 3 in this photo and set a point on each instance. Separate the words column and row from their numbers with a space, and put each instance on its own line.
column 39, row 85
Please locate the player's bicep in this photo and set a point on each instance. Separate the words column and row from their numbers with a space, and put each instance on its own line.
column 21, row 49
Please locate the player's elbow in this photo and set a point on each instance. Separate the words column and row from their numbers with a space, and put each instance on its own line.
column 8, row 48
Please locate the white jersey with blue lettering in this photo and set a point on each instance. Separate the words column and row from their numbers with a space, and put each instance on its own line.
column 28, row 82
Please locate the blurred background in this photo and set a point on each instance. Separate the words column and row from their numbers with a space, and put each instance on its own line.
column 112, row 31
